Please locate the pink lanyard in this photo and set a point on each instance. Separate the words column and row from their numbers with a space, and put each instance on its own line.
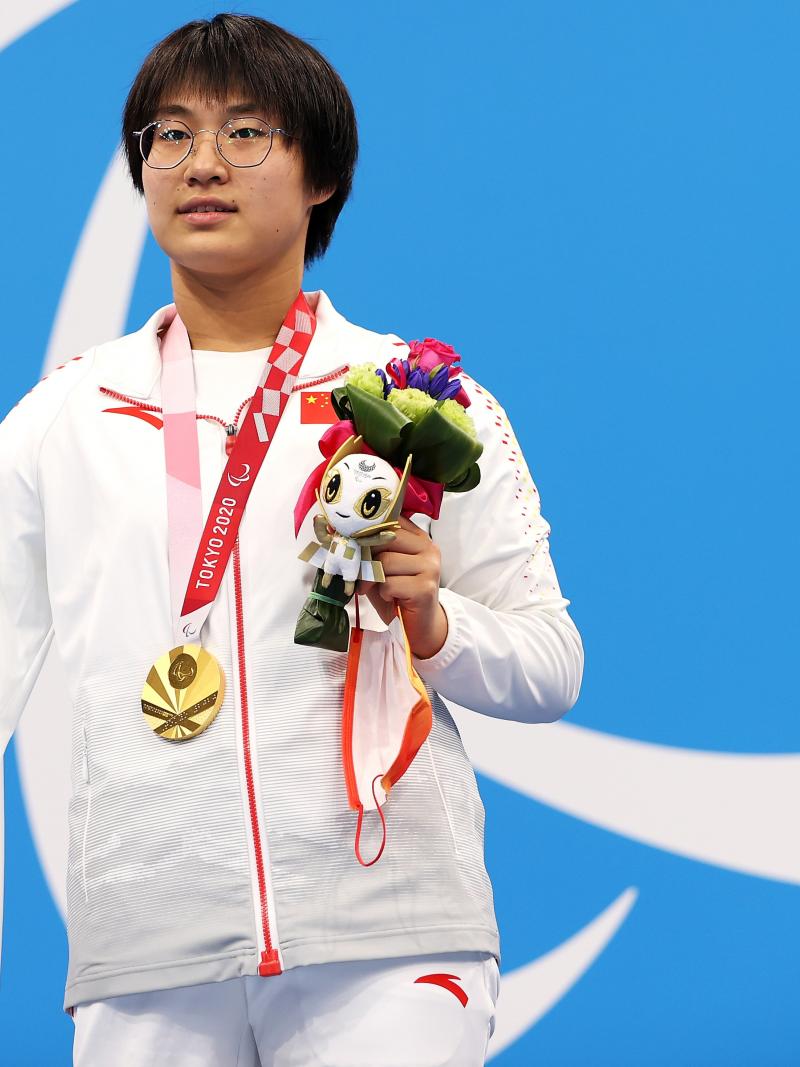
column 198, row 554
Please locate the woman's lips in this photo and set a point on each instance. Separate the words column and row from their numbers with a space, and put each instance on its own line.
column 205, row 218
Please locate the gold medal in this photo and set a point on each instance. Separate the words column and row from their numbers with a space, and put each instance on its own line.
column 183, row 693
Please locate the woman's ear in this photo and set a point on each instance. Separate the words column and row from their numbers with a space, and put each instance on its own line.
column 320, row 196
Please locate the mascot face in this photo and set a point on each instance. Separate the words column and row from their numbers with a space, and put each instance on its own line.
column 357, row 492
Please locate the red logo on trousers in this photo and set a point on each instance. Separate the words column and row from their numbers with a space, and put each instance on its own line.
column 446, row 981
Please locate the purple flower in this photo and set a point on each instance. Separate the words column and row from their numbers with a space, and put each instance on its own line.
column 439, row 380
column 418, row 379
column 443, row 387
column 387, row 385
column 450, row 391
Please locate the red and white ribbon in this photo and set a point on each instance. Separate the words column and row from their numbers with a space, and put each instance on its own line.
column 198, row 553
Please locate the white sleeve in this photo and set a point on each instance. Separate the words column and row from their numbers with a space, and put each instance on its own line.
column 512, row 651
column 26, row 629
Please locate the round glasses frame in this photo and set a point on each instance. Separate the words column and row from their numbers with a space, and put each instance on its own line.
column 157, row 122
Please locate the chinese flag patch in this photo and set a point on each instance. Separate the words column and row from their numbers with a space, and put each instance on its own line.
column 316, row 408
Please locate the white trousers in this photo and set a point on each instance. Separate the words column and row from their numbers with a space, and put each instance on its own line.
column 433, row 1010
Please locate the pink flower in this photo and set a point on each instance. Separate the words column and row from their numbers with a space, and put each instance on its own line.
column 430, row 356
column 431, row 353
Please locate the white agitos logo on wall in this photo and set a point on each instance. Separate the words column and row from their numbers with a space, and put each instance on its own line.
column 712, row 807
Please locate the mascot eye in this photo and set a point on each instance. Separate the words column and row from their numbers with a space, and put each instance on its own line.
column 372, row 502
column 333, row 490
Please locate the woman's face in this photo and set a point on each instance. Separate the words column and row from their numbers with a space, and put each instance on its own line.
column 268, row 225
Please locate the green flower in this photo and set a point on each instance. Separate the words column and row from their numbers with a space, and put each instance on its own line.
column 455, row 413
column 363, row 375
column 412, row 402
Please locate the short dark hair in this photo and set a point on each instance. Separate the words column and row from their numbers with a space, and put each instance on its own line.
column 297, row 87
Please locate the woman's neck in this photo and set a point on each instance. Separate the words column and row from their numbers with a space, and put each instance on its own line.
column 234, row 314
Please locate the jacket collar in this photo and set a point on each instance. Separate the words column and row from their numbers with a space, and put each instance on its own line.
column 132, row 364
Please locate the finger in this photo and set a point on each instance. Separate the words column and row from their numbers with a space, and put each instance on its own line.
column 405, row 541
column 385, row 610
column 402, row 563
column 408, row 524
column 409, row 527
column 408, row 588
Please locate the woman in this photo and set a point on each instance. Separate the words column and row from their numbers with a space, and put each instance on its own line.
column 215, row 909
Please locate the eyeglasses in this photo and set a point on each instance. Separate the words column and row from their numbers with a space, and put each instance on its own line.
column 242, row 142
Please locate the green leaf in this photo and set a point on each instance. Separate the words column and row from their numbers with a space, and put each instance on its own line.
column 381, row 424
column 341, row 403
column 469, row 480
column 442, row 451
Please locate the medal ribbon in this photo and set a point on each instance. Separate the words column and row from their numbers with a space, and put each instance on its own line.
column 203, row 567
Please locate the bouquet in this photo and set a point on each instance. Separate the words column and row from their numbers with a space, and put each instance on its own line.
column 404, row 437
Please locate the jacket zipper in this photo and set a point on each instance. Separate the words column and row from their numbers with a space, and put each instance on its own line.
column 269, row 963
column 270, row 960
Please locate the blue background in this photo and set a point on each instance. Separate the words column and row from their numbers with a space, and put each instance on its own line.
column 622, row 179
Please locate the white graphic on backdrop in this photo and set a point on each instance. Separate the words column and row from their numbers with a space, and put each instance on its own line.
column 97, row 293
column 18, row 19
column 529, row 992
column 732, row 810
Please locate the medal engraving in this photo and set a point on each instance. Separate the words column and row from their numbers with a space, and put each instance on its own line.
column 183, row 671
column 183, row 693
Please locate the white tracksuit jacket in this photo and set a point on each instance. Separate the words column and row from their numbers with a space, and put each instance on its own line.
column 181, row 869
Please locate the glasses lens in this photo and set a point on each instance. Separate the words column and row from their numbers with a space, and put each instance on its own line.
column 166, row 143
column 244, row 142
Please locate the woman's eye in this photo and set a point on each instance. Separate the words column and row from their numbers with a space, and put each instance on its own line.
column 332, row 488
column 248, row 133
column 172, row 135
